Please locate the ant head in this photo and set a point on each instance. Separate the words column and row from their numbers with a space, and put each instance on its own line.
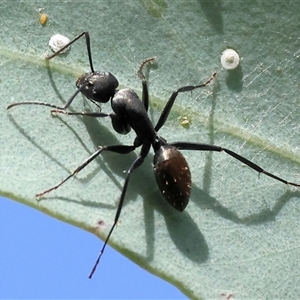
column 97, row 86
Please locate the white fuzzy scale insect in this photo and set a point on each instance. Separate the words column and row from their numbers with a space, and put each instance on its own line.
column 57, row 42
column 230, row 59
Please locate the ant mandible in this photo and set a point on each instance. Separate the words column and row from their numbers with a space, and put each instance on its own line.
column 170, row 168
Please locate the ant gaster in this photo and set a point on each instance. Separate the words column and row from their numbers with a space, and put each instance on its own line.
column 170, row 167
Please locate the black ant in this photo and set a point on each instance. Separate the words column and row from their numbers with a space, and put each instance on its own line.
column 169, row 165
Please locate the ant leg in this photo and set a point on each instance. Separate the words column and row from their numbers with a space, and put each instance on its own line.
column 84, row 113
column 164, row 115
column 135, row 165
column 140, row 74
column 206, row 147
column 118, row 125
column 122, row 149
column 88, row 47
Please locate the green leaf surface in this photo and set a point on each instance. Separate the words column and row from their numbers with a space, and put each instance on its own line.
column 239, row 234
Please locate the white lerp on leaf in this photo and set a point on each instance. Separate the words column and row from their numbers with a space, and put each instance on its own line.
column 230, row 59
column 58, row 41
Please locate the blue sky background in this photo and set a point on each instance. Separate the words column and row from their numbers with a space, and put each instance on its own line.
column 42, row 257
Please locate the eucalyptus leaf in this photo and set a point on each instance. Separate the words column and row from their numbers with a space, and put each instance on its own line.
column 239, row 234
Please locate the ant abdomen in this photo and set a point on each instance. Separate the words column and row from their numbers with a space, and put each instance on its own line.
column 173, row 176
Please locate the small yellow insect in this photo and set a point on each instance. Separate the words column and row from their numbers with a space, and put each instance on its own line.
column 184, row 121
column 43, row 19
